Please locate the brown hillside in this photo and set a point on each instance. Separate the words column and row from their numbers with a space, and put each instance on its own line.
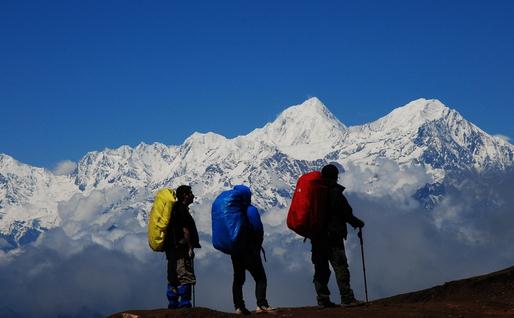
column 489, row 295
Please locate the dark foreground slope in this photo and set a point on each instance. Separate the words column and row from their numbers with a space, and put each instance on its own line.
column 490, row 295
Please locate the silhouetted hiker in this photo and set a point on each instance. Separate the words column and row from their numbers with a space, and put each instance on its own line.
column 328, row 246
column 249, row 259
column 237, row 230
column 181, row 240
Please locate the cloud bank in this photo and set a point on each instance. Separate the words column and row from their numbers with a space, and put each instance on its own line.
column 98, row 261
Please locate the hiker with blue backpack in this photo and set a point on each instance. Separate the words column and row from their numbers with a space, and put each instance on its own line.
column 237, row 230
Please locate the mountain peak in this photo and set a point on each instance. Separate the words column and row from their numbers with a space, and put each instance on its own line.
column 314, row 102
column 205, row 138
column 307, row 124
column 311, row 109
column 7, row 162
column 308, row 120
column 4, row 157
column 426, row 108
column 412, row 115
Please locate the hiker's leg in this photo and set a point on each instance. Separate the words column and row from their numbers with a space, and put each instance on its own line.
column 321, row 272
column 186, row 277
column 256, row 269
column 239, row 280
column 340, row 265
column 172, row 295
column 171, row 291
column 171, row 256
column 185, row 271
column 184, row 292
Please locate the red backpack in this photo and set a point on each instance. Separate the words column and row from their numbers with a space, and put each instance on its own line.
column 307, row 213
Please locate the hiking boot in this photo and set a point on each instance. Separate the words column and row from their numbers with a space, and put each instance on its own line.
column 173, row 305
column 185, row 303
column 353, row 303
column 264, row 309
column 327, row 304
column 172, row 295
column 184, row 291
column 242, row 311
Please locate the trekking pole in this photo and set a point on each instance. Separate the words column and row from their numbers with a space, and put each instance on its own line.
column 194, row 305
column 194, row 296
column 363, row 263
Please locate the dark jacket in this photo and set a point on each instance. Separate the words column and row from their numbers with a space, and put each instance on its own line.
column 339, row 213
column 181, row 218
column 250, row 239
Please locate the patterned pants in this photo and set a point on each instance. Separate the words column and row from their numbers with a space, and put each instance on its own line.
column 180, row 267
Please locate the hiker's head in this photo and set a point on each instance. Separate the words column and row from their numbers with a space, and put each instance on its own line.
column 330, row 172
column 185, row 194
column 244, row 193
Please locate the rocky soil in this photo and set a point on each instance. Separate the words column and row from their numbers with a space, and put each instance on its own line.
column 489, row 295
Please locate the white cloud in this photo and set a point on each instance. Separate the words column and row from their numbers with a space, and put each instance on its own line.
column 4, row 244
column 64, row 167
column 386, row 179
column 102, row 264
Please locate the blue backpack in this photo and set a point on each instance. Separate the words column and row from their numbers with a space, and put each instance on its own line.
column 232, row 214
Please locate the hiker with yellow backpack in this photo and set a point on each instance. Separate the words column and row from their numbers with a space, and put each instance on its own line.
column 172, row 229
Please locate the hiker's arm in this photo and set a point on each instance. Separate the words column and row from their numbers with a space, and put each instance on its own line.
column 187, row 237
column 356, row 222
column 350, row 218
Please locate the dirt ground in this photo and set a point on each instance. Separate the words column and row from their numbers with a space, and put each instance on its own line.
column 490, row 295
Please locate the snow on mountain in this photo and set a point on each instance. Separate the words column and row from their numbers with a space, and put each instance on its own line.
column 393, row 135
column 306, row 131
column 425, row 136
column 28, row 199
column 411, row 116
column 125, row 166
column 427, row 132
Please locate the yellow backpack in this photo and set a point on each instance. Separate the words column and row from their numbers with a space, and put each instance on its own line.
column 160, row 217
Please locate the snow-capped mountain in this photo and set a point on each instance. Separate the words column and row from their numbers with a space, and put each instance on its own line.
column 29, row 198
column 136, row 167
column 307, row 131
column 423, row 133
column 428, row 132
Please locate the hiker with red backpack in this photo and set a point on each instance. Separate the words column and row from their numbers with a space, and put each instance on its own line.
column 237, row 230
column 319, row 211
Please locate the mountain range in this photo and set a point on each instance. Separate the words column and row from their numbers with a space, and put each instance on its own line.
column 424, row 135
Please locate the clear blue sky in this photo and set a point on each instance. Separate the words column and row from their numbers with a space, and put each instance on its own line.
column 77, row 76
